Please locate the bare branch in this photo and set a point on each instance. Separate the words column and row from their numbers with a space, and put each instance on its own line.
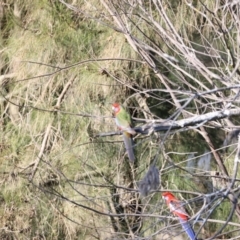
column 155, row 126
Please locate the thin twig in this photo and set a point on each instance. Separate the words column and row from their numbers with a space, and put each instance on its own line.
column 41, row 152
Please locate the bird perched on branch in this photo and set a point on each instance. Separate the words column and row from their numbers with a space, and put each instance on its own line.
column 123, row 121
column 178, row 210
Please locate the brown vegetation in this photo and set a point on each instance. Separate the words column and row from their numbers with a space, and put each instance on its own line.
column 175, row 67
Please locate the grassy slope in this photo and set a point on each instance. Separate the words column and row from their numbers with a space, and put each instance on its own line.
column 47, row 34
column 39, row 37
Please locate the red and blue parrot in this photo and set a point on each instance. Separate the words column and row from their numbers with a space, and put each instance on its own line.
column 123, row 121
column 178, row 210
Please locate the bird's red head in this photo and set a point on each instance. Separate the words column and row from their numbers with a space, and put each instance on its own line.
column 168, row 196
column 116, row 107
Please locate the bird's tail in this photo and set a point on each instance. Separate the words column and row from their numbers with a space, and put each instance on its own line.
column 128, row 141
column 188, row 229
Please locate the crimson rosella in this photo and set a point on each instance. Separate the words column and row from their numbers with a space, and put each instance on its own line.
column 178, row 210
column 123, row 121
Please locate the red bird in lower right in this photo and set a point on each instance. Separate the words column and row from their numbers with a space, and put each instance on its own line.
column 178, row 210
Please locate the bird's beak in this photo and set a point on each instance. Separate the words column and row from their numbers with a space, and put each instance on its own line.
column 113, row 108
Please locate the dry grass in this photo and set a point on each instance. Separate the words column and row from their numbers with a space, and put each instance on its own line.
column 48, row 40
column 54, row 104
